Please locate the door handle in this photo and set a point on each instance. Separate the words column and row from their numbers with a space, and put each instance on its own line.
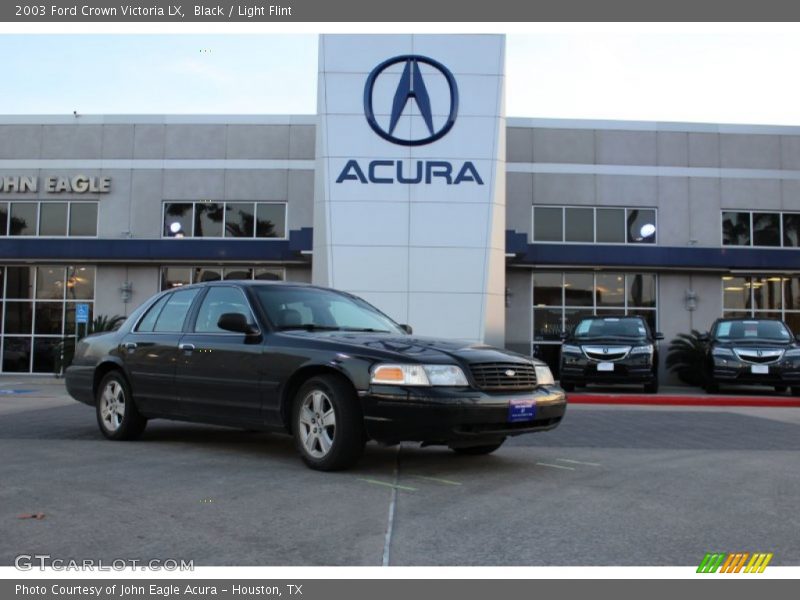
column 186, row 347
column 129, row 346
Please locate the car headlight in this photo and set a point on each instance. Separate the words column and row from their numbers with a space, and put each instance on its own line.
column 570, row 349
column 648, row 349
column 792, row 353
column 723, row 352
column 544, row 376
column 428, row 375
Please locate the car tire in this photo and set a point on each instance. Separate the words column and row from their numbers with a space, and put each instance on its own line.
column 117, row 415
column 781, row 389
column 476, row 450
column 567, row 386
column 651, row 388
column 339, row 442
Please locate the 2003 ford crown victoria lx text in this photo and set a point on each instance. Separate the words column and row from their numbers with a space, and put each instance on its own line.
column 323, row 365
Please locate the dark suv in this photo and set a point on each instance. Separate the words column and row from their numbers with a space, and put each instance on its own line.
column 752, row 351
column 610, row 349
column 322, row 365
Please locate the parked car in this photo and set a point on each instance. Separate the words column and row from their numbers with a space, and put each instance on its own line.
column 754, row 352
column 323, row 365
column 610, row 350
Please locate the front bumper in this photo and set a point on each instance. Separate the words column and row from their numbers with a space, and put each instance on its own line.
column 632, row 369
column 454, row 416
column 783, row 373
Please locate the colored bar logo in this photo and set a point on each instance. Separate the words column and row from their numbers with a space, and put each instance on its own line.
column 734, row 562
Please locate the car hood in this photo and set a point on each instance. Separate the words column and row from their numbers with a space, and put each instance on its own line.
column 610, row 341
column 754, row 344
column 417, row 348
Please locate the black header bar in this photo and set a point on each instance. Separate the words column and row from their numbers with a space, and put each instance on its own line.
column 439, row 11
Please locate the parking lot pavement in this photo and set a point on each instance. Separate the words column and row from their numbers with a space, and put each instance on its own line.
column 612, row 485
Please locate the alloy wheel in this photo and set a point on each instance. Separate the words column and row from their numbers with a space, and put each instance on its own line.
column 317, row 423
column 112, row 405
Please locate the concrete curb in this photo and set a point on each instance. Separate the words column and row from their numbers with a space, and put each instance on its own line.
column 683, row 400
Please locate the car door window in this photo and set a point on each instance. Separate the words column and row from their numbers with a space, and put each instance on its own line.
column 174, row 313
column 149, row 320
column 218, row 301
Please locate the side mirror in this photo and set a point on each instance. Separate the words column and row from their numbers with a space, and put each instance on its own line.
column 235, row 322
column 659, row 335
column 407, row 329
column 797, row 337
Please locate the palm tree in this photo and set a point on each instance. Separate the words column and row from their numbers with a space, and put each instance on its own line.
column 686, row 356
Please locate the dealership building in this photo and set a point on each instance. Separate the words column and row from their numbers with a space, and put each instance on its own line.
column 411, row 188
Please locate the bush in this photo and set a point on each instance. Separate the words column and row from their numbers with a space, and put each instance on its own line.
column 686, row 357
column 66, row 347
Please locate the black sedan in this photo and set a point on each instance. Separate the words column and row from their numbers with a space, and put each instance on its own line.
column 610, row 349
column 320, row 364
column 752, row 352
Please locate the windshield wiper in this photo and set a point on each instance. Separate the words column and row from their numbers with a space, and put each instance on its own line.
column 309, row 327
column 366, row 329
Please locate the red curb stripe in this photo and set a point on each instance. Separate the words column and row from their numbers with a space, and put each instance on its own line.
column 665, row 400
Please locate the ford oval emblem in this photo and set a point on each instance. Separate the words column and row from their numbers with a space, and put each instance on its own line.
column 510, row 373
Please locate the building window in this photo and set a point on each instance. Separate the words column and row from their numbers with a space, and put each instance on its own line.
column 246, row 220
column 48, row 219
column 762, row 229
column 561, row 299
column 179, row 275
column 587, row 225
column 38, row 311
column 765, row 296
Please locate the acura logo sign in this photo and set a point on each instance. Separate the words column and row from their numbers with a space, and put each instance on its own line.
column 411, row 86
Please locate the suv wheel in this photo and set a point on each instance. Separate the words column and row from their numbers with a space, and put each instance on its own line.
column 327, row 424
column 476, row 450
column 117, row 415
column 567, row 386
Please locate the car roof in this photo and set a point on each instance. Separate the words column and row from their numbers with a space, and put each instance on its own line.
column 254, row 283
column 612, row 316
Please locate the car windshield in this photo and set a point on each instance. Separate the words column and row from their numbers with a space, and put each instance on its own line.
column 603, row 327
column 315, row 309
column 757, row 329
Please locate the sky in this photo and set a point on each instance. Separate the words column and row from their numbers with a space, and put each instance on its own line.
column 717, row 77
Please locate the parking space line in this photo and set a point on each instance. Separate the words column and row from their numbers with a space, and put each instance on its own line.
column 437, row 480
column 405, row 488
column 555, row 466
column 579, row 462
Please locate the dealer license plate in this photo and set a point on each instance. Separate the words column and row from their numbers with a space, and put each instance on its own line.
column 521, row 409
column 605, row 366
column 759, row 370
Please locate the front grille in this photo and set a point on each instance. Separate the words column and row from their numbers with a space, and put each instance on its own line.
column 758, row 356
column 501, row 377
column 606, row 353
